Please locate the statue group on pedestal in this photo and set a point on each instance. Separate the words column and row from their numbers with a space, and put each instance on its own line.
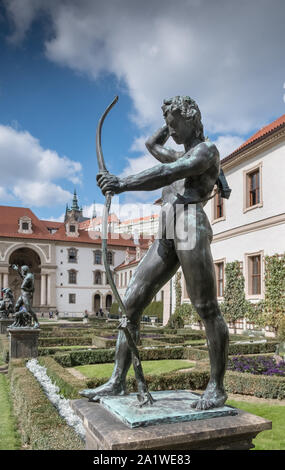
column 22, row 311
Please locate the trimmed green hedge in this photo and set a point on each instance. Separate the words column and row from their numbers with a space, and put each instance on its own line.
column 192, row 380
column 171, row 339
column 4, row 348
column 100, row 356
column 60, row 349
column 196, row 354
column 261, row 386
column 65, row 332
column 101, row 342
column 65, row 341
column 250, row 348
column 41, row 426
column 187, row 333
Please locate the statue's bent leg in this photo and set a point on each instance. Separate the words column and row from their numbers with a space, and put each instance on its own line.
column 157, row 267
column 28, row 299
column 198, row 269
column 18, row 305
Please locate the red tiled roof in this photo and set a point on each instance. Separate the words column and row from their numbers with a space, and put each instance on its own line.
column 132, row 221
column 97, row 221
column 259, row 135
column 9, row 225
column 133, row 262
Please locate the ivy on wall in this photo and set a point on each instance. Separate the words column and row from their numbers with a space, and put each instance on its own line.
column 178, row 289
column 274, row 299
column 235, row 305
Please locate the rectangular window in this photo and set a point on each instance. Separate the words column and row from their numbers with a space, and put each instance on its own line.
column 72, row 298
column 97, row 257
column 72, row 228
column 254, row 275
column 218, row 207
column 72, row 277
column 25, row 226
column 72, row 255
column 253, row 185
column 220, row 278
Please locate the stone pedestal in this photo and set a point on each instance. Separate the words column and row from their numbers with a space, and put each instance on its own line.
column 4, row 324
column 106, row 431
column 23, row 342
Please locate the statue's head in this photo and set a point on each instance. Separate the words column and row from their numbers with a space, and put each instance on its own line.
column 25, row 270
column 186, row 108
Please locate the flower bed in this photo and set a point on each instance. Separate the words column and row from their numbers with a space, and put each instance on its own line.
column 258, row 365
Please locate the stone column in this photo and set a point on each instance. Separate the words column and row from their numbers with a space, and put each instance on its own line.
column 5, row 280
column 43, row 290
column 48, row 289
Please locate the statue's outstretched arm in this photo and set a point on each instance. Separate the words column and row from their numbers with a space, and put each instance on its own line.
column 195, row 162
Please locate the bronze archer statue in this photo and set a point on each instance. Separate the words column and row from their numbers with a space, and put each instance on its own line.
column 187, row 179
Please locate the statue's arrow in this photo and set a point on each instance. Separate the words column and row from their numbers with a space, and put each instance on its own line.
column 144, row 396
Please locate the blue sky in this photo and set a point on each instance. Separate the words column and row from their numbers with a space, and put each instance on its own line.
column 62, row 62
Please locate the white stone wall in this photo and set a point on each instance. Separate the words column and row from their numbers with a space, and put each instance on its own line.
column 267, row 240
column 84, row 289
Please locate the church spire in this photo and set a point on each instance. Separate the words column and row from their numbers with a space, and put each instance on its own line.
column 75, row 205
column 94, row 214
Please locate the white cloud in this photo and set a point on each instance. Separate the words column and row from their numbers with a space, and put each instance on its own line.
column 29, row 171
column 212, row 50
column 41, row 194
column 226, row 144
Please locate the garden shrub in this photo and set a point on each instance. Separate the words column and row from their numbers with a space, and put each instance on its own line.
column 154, row 309
column 250, row 348
column 41, row 426
column 4, row 348
column 261, row 386
column 195, row 354
column 175, row 321
column 192, row 380
column 100, row 356
column 64, row 332
column 65, row 341
column 101, row 342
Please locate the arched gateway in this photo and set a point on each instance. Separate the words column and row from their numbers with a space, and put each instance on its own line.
column 28, row 257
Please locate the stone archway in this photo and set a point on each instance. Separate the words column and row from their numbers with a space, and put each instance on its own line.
column 109, row 301
column 25, row 256
column 97, row 302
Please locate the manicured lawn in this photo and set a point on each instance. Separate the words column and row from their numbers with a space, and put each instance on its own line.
column 149, row 367
column 9, row 439
column 266, row 440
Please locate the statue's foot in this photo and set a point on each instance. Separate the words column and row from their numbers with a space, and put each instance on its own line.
column 144, row 399
column 36, row 325
column 108, row 389
column 213, row 397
